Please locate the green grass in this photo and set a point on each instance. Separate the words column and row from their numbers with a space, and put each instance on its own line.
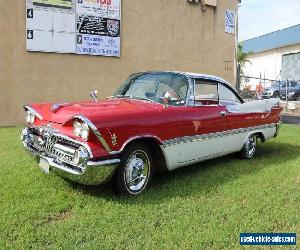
column 202, row 206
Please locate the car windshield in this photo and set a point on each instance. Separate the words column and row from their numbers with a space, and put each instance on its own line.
column 170, row 88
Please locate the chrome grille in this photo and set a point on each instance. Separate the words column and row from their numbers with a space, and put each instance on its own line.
column 53, row 145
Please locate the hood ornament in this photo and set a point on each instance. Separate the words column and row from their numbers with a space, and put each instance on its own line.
column 94, row 96
column 58, row 106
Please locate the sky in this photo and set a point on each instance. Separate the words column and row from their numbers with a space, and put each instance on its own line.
column 259, row 17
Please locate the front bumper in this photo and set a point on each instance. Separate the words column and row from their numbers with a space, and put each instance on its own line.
column 86, row 171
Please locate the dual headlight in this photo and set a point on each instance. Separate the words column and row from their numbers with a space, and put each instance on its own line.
column 81, row 129
column 30, row 117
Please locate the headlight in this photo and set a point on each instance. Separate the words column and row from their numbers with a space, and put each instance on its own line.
column 29, row 117
column 81, row 130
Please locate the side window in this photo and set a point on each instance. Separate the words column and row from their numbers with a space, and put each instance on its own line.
column 206, row 93
column 293, row 84
column 227, row 96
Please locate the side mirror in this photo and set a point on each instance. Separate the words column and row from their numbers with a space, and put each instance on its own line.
column 94, row 96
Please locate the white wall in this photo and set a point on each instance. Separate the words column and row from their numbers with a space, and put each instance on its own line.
column 267, row 64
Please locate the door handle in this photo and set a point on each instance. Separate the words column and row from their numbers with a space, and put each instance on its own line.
column 223, row 113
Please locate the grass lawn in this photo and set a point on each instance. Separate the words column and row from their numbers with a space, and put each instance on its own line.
column 202, row 206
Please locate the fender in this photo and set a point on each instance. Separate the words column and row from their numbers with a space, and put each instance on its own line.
column 135, row 138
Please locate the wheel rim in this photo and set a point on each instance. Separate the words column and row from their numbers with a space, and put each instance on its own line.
column 137, row 171
column 250, row 145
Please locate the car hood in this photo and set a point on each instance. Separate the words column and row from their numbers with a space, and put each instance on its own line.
column 62, row 112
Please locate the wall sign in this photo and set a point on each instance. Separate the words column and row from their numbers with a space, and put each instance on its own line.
column 67, row 4
column 230, row 21
column 74, row 26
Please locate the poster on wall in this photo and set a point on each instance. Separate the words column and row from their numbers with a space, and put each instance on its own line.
column 74, row 26
column 230, row 22
column 50, row 29
column 98, row 27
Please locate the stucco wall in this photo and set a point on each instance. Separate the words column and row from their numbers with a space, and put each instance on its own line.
column 156, row 35
column 268, row 63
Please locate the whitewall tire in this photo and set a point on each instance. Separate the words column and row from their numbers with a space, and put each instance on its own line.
column 135, row 170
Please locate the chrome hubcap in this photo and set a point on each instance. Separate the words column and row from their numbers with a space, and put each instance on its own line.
column 251, row 145
column 137, row 171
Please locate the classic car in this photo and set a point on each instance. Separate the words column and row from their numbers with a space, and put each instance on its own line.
column 155, row 122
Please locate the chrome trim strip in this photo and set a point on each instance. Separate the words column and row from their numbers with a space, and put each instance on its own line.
column 103, row 163
column 187, row 139
column 93, row 128
column 32, row 110
column 135, row 138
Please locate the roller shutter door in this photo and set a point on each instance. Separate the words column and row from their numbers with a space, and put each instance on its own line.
column 290, row 67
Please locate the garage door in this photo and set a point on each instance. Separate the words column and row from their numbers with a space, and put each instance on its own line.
column 290, row 67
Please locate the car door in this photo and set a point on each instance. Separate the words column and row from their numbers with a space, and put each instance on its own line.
column 237, row 123
column 203, row 125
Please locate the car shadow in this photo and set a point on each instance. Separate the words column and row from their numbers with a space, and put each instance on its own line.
column 200, row 178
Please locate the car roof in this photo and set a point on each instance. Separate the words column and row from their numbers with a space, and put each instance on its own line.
column 197, row 76
column 191, row 75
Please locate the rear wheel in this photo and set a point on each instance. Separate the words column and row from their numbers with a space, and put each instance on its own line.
column 135, row 170
column 249, row 148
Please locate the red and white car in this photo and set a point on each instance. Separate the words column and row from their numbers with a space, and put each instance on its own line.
column 156, row 121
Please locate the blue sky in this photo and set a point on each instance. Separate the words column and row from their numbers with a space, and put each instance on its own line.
column 258, row 17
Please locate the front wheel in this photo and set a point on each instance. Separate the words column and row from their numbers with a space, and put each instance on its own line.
column 249, row 148
column 135, row 170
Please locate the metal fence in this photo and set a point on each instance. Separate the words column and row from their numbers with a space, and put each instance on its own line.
column 253, row 88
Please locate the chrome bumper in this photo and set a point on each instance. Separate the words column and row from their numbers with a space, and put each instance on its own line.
column 88, row 172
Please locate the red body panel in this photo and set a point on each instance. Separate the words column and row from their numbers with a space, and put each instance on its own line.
column 128, row 119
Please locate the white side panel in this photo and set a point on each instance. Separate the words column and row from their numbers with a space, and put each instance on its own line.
column 269, row 133
column 200, row 148
column 185, row 153
column 171, row 154
column 235, row 142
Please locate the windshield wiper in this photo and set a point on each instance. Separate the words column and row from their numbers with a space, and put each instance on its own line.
column 119, row 96
column 141, row 98
column 132, row 97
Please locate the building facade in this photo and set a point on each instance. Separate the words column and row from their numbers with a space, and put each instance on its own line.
column 274, row 56
column 177, row 35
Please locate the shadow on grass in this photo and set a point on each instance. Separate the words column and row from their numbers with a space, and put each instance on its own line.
column 200, row 178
